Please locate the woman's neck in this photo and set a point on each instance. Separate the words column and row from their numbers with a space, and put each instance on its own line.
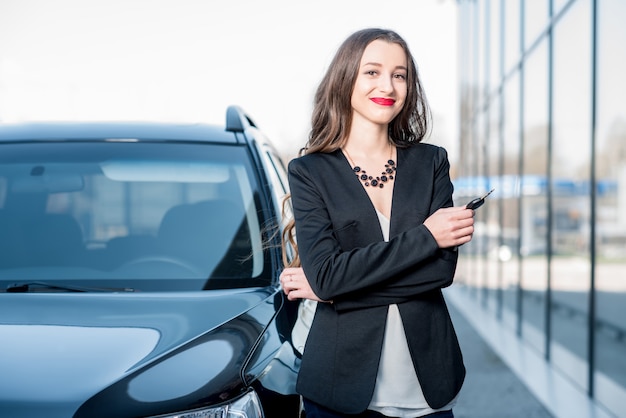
column 367, row 142
column 367, row 137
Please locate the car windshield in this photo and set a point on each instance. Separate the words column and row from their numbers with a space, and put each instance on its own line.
column 132, row 215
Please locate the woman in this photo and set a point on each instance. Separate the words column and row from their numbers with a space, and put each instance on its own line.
column 377, row 237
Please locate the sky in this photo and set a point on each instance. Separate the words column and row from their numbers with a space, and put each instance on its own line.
column 187, row 60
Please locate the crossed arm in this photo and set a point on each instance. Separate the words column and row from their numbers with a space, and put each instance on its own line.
column 449, row 228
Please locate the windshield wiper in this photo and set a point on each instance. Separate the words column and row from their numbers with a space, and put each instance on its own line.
column 33, row 286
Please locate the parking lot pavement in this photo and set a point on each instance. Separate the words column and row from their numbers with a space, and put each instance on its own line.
column 491, row 388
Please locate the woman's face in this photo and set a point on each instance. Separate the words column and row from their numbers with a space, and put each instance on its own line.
column 380, row 88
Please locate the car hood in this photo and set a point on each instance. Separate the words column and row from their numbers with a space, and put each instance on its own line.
column 59, row 350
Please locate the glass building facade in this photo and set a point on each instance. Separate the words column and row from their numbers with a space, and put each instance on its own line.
column 543, row 122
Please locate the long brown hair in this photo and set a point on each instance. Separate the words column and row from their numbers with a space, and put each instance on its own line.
column 332, row 109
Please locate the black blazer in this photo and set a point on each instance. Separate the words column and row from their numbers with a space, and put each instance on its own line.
column 346, row 260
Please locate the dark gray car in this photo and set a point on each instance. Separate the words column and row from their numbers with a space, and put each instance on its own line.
column 139, row 270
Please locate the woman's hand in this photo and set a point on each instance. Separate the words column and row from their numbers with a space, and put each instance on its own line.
column 295, row 284
column 452, row 226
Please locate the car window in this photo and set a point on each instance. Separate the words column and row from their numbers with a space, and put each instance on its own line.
column 144, row 215
column 280, row 189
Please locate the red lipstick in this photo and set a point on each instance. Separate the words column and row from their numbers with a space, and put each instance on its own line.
column 383, row 101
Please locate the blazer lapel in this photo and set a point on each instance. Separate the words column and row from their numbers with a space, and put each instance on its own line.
column 409, row 181
column 363, row 207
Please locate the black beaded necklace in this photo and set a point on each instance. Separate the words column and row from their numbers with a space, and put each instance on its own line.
column 378, row 181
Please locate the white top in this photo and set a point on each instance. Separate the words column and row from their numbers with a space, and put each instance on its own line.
column 398, row 392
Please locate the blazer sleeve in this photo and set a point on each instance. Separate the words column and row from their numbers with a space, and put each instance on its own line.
column 434, row 274
column 375, row 274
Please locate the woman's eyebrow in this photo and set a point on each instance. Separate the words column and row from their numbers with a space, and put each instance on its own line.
column 376, row 64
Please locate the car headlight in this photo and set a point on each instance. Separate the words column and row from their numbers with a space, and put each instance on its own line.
column 248, row 406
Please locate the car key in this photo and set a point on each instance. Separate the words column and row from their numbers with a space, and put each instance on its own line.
column 478, row 202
